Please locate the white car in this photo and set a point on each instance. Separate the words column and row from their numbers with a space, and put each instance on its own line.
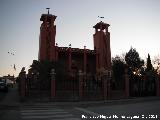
column 9, row 83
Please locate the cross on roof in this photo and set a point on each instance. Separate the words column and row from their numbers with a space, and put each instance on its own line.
column 48, row 10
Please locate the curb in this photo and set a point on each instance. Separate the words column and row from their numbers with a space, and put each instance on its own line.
column 82, row 103
column 94, row 103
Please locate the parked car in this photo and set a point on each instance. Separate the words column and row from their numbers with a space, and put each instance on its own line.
column 9, row 83
column 3, row 86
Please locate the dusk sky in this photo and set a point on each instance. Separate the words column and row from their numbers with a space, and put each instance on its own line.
column 133, row 23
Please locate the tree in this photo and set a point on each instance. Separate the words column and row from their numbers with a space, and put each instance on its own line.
column 151, row 74
column 118, row 67
column 149, row 64
column 156, row 62
column 133, row 60
column 42, row 69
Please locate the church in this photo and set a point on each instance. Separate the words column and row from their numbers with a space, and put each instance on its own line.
column 86, row 60
column 88, row 73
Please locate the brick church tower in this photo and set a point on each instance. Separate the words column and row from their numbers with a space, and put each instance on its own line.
column 47, row 37
column 102, row 46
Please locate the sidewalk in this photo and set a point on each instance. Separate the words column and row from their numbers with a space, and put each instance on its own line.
column 96, row 103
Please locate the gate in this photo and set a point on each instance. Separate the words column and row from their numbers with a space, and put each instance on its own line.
column 92, row 88
column 67, row 88
column 37, row 88
column 142, row 85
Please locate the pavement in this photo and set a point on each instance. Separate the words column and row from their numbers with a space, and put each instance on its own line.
column 102, row 103
column 12, row 100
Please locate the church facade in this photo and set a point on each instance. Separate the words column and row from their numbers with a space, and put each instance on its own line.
column 86, row 69
column 86, row 60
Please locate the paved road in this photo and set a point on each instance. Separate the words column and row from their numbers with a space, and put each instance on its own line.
column 2, row 95
column 52, row 111
column 146, row 110
column 49, row 111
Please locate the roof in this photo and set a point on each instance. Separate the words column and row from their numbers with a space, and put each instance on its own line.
column 104, row 25
column 76, row 50
column 49, row 16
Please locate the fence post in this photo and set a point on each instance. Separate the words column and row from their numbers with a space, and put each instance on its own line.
column 22, row 78
column 126, row 83
column 158, row 85
column 53, row 82
column 106, row 83
column 109, row 77
column 80, row 75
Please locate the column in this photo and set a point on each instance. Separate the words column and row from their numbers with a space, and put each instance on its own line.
column 126, row 83
column 69, row 57
column 158, row 85
column 53, row 84
column 109, row 77
column 84, row 60
column 105, row 89
column 56, row 52
column 97, row 61
column 80, row 75
column 22, row 77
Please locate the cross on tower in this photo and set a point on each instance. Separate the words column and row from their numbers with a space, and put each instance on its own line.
column 100, row 17
column 48, row 10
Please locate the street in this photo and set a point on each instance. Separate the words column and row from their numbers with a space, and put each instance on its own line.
column 12, row 109
column 143, row 111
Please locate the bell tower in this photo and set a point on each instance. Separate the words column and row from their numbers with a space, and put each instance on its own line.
column 47, row 37
column 102, row 46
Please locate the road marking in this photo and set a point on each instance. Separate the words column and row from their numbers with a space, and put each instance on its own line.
column 48, row 116
column 69, row 119
column 40, row 110
column 43, row 113
column 87, row 111
column 36, row 107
